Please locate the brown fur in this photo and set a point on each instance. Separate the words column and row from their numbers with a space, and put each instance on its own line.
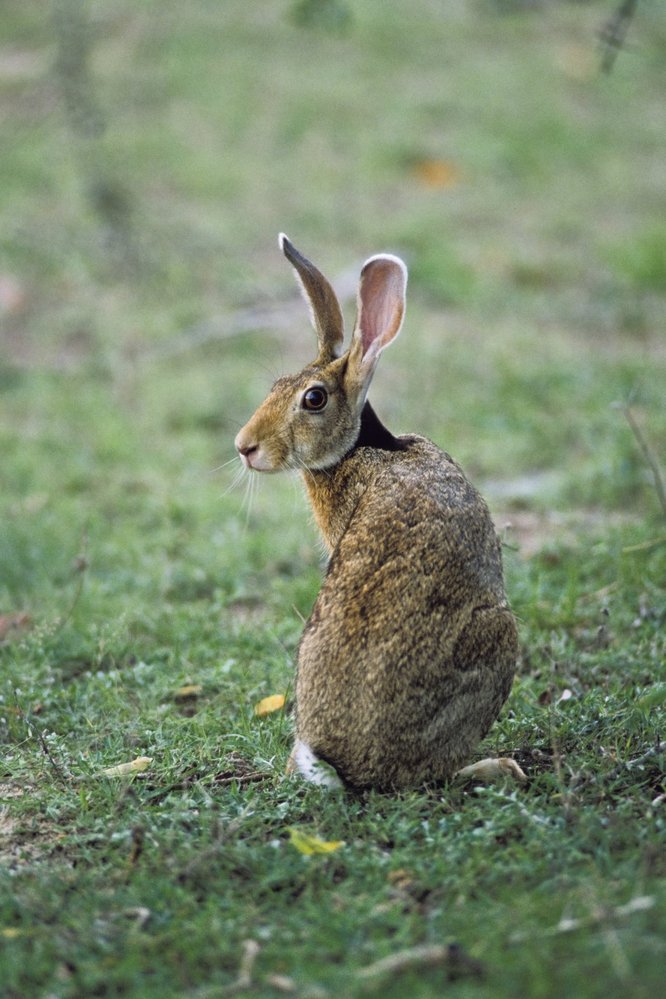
column 410, row 650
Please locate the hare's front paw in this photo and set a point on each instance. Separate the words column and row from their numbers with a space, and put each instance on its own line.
column 310, row 767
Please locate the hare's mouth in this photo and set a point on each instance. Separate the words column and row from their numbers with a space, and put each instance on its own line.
column 254, row 457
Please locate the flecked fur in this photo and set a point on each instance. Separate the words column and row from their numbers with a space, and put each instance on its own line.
column 410, row 650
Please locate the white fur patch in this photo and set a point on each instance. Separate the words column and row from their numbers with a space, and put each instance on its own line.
column 311, row 768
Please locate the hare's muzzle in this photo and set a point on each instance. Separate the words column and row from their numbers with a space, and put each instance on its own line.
column 246, row 451
column 252, row 455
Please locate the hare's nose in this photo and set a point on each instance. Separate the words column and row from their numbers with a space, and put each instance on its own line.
column 249, row 451
column 244, row 443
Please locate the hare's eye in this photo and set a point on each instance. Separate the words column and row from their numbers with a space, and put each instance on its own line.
column 315, row 399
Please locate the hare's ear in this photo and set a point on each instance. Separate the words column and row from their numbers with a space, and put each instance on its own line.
column 381, row 309
column 325, row 310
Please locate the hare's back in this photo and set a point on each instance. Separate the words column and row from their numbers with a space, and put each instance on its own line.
column 422, row 513
column 418, row 558
column 410, row 649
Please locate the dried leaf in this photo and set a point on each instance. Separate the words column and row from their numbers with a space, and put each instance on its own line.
column 189, row 692
column 269, row 704
column 11, row 932
column 133, row 767
column 437, row 174
column 309, row 845
column 401, row 878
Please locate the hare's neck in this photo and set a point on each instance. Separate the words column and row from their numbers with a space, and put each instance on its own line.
column 373, row 433
column 335, row 492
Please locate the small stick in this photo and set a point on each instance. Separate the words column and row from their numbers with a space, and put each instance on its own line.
column 614, row 32
column 256, row 775
column 244, row 981
column 618, row 769
column 60, row 773
column 649, row 457
column 568, row 924
column 413, row 957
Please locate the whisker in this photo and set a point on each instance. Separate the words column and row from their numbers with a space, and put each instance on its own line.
column 219, row 468
column 235, row 481
column 299, row 465
column 296, row 486
column 268, row 369
column 249, row 497
column 229, row 422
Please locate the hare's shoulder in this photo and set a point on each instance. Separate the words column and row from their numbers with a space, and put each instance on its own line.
column 419, row 506
column 422, row 477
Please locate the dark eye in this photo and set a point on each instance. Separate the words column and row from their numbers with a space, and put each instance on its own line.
column 315, row 399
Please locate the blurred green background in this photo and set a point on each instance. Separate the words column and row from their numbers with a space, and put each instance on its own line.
column 151, row 153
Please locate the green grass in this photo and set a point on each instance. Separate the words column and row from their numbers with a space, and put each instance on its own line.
column 535, row 304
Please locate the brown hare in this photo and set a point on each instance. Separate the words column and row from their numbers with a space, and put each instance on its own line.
column 410, row 650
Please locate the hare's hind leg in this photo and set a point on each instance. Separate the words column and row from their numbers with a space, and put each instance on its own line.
column 304, row 762
column 491, row 769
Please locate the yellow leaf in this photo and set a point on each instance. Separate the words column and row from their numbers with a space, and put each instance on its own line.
column 308, row 845
column 11, row 932
column 188, row 692
column 134, row 767
column 437, row 173
column 268, row 705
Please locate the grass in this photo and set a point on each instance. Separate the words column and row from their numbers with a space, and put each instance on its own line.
column 523, row 188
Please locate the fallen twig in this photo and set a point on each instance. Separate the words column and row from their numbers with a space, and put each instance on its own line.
column 614, row 31
column 647, row 453
column 644, row 546
column 254, row 777
column 619, row 768
column 452, row 955
column 282, row 983
column 568, row 924
column 244, row 980
column 631, row 764
column 63, row 775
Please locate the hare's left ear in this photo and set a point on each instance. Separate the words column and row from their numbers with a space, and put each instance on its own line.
column 380, row 311
column 325, row 309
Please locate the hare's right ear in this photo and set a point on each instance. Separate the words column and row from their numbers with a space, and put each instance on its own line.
column 325, row 310
column 380, row 311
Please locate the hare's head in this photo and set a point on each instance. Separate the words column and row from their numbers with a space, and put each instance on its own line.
column 312, row 419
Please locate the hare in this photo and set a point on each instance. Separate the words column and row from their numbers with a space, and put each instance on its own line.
column 410, row 650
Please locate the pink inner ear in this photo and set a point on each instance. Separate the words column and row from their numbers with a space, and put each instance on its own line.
column 381, row 302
